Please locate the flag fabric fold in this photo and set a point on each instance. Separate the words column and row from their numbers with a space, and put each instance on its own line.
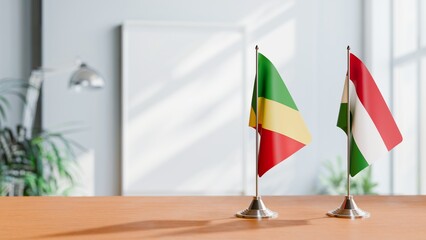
column 281, row 126
column 374, row 131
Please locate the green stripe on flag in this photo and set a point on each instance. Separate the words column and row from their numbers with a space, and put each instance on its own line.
column 358, row 162
column 342, row 120
column 271, row 85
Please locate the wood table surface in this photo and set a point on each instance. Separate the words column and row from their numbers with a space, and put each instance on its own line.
column 300, row 217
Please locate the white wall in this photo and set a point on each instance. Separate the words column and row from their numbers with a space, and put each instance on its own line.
column 15, row 47
column 390, row 29
column 306, row 40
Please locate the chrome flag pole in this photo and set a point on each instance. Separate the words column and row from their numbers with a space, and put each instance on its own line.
column 348, row 209
column 257, row 208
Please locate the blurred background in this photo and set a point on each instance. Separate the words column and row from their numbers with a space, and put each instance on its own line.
column 172, row 115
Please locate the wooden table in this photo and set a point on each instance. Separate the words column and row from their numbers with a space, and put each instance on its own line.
column 301, row 217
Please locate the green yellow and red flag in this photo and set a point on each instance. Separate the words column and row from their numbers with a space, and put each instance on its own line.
column 280, row 124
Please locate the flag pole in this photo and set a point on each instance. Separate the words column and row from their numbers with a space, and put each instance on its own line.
column 349, row 135
column 257, row 122
column 348, row 209
column 257, row 208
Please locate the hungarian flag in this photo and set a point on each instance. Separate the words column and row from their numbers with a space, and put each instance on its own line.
column 374, row 131
column 281, row 127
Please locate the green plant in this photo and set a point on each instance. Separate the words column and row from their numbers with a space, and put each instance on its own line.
column 334, row 180
column 40, row 165
column 36, row 165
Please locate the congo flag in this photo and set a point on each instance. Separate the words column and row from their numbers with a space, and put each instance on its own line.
column 281, row 126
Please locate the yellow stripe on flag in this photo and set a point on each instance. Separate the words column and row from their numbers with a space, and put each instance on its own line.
column 279, row 118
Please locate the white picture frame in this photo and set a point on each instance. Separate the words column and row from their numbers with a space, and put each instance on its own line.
column 201, row 151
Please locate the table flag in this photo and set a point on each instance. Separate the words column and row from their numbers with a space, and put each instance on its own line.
column 374, row 131
column 281, row 126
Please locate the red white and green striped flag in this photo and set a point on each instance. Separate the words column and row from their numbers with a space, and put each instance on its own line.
column 281, row 127
column 374, row 131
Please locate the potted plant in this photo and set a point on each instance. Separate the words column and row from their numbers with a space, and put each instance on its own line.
column 36, row 165
column 333, row 181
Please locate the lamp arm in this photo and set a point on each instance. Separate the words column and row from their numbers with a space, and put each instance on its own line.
column 47, row 72
column 33, row 93
column 31, row 101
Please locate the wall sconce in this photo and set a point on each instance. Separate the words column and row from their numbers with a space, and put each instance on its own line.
column 82, row 77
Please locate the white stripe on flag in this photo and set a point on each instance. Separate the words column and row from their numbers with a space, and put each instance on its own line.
column 345, row 92
column 365, row 133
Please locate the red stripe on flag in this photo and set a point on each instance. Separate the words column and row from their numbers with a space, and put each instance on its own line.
column 274, row 148
column 372, row 100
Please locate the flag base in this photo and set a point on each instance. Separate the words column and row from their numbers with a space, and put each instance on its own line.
column 257, row 209
column 348, row 209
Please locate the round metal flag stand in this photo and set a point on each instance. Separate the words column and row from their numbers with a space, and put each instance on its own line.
column 348, row 209
column 257, row 209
